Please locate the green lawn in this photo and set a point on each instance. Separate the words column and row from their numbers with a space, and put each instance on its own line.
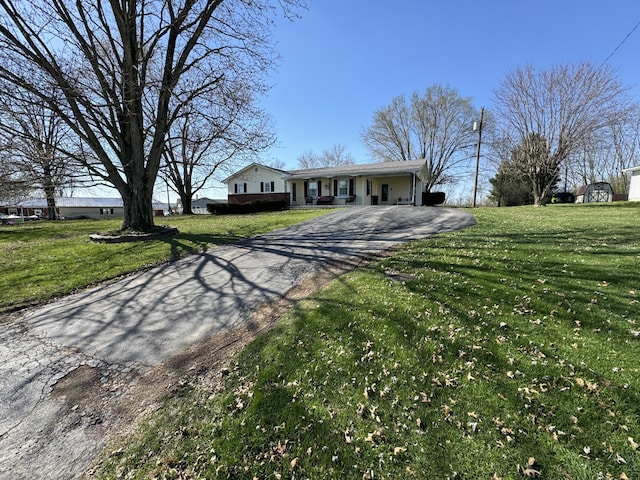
column 41, row 260
column 505, row 351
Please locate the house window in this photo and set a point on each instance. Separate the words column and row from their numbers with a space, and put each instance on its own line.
column 294, row 193
column 343, row 187
column 312, row 190
column 240, row 188
column 267, row 187
column 106, row 211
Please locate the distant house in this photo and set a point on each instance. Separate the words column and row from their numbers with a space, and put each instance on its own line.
column 634, row 186
column 74, row 207
column 199, row 205
column 386, row 183
column 595, row 192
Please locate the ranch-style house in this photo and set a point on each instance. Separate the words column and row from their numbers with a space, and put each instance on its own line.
column 387, row 183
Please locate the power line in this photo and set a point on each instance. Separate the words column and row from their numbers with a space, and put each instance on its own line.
column 619, row 45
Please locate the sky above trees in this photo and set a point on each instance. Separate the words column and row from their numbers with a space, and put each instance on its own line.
column 342, row 61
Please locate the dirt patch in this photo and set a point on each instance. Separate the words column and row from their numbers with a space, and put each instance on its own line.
column 160, row 232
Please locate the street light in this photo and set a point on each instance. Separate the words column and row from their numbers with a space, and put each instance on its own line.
column 477, row 126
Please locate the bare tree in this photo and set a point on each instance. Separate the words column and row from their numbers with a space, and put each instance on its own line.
column 39, row 141
column 603, row 158
column 553, row 115
column 331, row 157
column 14, row 184
column 214, row 134
column 436, row 127
column 126, row 68
column 277, row 163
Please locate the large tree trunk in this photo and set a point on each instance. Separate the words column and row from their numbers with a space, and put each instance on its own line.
column 138, row 213
column 187, row 208
column 138, row 207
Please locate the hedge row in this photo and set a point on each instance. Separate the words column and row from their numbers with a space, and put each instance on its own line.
column 251, row 207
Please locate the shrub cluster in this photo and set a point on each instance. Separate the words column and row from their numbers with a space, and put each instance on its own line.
column 251, row 207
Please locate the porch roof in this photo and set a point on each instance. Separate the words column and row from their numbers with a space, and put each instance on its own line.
column 370, row 169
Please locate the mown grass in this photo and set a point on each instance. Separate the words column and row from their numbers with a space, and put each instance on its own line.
column 505, row 351
column 41, row 260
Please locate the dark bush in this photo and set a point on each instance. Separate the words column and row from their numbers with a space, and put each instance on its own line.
column 244, row 208
column 432, row 198
column 563, row 197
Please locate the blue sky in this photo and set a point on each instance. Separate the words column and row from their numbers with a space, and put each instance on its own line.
column 345, row 59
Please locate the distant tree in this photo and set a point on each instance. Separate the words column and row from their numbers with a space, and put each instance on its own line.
column 278, row 164
column 603, row 158
column 510, row 187
column 13, row 182
column 39, row 144
column 436, row 127
column 549, row 116
column 211, row 135
column 331, row 157
column 125, row 68
column 530, row 159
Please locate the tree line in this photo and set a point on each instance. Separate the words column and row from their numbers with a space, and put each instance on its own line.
column 128, row 93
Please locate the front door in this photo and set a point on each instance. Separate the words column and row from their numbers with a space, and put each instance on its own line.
column 384, row 196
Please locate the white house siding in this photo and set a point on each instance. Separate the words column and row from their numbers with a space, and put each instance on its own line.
column 91, row 212
column 634, row 186
column 398, row 190
column 256, row 179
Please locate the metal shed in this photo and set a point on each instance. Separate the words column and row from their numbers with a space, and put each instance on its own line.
column 595, row 192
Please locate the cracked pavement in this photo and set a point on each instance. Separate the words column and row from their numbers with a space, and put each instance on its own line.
column 77, row 372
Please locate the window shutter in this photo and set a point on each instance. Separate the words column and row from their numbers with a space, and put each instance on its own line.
column 306, row 188
column 245, row 188
column 273, row 187
column 261, row 186
column 319, row 188
column 335, row 188
column 352, row 186
column 235, row 188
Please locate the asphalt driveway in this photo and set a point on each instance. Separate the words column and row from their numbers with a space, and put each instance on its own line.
column 67, row 368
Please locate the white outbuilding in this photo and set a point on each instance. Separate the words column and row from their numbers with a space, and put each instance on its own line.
column 634, row 185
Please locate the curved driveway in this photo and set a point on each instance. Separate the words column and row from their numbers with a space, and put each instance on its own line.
column 124, row 329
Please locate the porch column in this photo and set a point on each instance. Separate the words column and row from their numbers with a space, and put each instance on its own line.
column 413, row 200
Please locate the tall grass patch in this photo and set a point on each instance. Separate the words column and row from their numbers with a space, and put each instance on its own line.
column 505, row 351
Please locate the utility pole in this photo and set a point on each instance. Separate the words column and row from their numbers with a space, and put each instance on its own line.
column 477, row 126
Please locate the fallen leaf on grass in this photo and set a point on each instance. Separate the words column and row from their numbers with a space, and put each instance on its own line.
column 529, row 471
column 347, row 437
